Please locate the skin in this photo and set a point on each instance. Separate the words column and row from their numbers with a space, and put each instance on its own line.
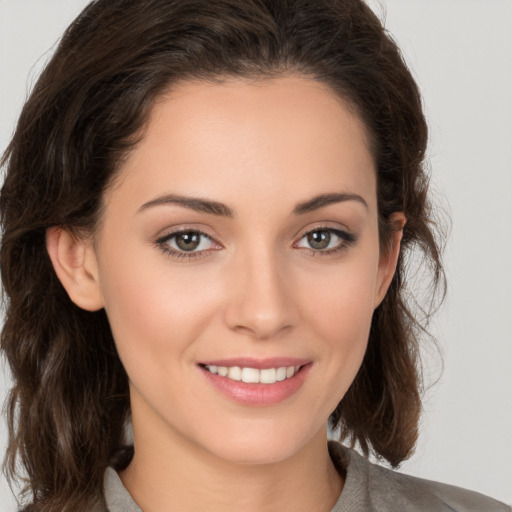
column 254, row 288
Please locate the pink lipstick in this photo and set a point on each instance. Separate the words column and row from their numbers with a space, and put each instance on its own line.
column 256, row 382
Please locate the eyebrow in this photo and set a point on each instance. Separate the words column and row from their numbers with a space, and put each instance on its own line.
column 220, row 209
column 192, row 203
column 325, row 200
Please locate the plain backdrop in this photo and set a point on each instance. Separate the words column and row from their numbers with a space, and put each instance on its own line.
column 460, row 52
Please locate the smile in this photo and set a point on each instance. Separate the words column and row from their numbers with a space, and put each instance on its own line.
column 257, row 382
column 254, row 375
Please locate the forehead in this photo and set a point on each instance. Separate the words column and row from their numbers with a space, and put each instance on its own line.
column 274, row 136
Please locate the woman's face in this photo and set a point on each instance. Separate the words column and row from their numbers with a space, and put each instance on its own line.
column 240, row 242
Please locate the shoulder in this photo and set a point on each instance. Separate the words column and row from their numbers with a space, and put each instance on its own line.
column 375, row 488
column 117, row 498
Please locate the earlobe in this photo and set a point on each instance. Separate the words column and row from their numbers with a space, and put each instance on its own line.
column 389, row 257
column 74, row 262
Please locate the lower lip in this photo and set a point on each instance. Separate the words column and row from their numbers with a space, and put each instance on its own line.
column 258, row 394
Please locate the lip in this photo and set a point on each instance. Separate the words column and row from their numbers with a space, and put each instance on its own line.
column 259, row 364
column 257, row 395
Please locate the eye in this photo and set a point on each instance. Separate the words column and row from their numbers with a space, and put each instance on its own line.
column 186, row 243
column 325, row 240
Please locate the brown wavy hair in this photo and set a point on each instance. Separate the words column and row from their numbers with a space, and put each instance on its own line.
column 69, row 401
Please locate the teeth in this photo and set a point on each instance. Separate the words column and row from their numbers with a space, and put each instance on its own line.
column 281, row 373
column 253, row 375
column 268, row 376
column 250, row 375
column 235, row 373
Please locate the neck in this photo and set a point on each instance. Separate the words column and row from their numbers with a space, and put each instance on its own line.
column 175, row 475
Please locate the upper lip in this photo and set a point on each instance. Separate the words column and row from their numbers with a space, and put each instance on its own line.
column 260, row 364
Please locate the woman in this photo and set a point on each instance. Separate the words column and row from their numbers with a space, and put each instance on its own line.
column 206, row 214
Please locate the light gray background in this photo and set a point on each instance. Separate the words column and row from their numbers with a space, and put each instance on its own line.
column 461, row 54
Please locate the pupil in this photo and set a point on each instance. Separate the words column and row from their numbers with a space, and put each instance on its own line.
column 187, row 241
column 319, row 239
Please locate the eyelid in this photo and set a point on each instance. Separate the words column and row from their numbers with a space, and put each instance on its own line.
column 347, row 238
column 174, row 232
column 161, row 243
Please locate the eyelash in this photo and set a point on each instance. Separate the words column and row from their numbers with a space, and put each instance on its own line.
column 162, row 243
column 346, row 240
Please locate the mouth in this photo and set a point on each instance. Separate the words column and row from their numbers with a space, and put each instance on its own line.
column 254, row 375
column 254, row 382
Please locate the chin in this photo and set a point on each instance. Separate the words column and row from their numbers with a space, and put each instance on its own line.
column 262, row 445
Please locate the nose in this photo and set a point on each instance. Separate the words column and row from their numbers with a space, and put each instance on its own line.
column 261, row 302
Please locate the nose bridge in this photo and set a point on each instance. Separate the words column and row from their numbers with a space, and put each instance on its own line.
column 261, row 304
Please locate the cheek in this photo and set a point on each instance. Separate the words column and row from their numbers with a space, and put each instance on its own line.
column 344, row 323
column 155, row 309
column 338, row 308
column 340, row 302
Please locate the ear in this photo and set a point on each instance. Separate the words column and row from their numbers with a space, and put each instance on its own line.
column 74, row 261
column 388, row 258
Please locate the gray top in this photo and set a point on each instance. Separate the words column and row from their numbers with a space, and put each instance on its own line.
column 368, row 488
